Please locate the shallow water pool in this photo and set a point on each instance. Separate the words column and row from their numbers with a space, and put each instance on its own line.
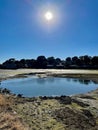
column 50, row 86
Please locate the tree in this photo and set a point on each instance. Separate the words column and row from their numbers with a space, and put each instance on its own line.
column 81, row 60
column 58, row 61
column 75, row 60
column 68, row 61
column 51, row 62
column 1, row 66
column 87, row 60
column 41, row 62
column 9, row 64
column 22, row 63
column 31, row 63
column 94, row 61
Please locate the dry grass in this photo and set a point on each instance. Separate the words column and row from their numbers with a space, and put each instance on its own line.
column 5, row 101
column 2, row 100
column 9, row 121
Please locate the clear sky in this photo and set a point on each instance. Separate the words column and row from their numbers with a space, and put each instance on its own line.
column 25, row 34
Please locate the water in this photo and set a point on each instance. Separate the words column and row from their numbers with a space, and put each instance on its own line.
column 51, row 86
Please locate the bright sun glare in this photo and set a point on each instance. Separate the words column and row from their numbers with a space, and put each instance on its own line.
column 48, row 16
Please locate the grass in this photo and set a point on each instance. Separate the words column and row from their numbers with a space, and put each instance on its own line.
column 76, row 106
column 11, row 122
column 8, row 119
column 38, row 114
column 2, row 100
column 52, row 124
column 97, row 121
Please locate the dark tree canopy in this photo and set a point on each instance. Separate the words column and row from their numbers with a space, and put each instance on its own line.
column 41, row 62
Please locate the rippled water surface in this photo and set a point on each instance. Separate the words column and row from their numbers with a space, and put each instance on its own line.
column 51, row 86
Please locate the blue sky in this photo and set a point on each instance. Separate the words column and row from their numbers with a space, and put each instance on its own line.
column 23, row 34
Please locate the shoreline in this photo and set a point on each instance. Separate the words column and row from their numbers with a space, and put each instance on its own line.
column 43, row 73
column 77, row 112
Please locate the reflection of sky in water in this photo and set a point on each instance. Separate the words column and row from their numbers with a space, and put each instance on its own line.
column 34, row 86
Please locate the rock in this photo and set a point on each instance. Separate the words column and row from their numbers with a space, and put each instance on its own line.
column 87, row 97
column 74, row 120
column 5, row 91
column 65, row 100
column 80, row 103
column 19, row 95
column 15, row 112
column 9, row 109
column 87, row 113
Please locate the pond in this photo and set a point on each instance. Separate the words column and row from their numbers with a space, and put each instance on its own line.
column 50, row 86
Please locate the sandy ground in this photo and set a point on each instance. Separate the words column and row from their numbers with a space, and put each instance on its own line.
column 48, row 72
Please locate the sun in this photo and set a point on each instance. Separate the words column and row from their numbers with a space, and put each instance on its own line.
column 48, row 16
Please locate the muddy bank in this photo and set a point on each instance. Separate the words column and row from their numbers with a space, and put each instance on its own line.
column 43, row 73
column 78, row 112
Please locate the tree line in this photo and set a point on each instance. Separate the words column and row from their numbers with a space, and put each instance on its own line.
column 41, row 62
